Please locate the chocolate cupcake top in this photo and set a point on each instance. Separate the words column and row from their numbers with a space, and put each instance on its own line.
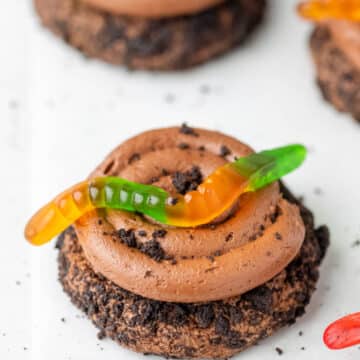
column 153, row 8
column 240, row 250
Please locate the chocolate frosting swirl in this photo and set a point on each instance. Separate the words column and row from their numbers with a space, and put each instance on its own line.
column 153, row 8
column 244, row 248
column 347, row 37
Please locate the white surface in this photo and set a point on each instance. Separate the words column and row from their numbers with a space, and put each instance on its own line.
column 61, row 114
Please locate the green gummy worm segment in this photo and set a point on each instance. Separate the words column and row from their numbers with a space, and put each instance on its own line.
column 121, row 194
column 265, row 167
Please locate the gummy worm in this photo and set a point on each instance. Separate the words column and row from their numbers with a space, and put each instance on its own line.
column 330, row 9
column 343, row 333
column 216, row 194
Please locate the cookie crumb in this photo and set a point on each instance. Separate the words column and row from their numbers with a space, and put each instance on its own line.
column 153, row 249
column 188, row 180
column 63, row 320
column 127, row 237
column 183, row 146
column 224, row 151
column 187, row 130
column 101, row 335
column 279, row 351
column 222, row 325
column 229, row 237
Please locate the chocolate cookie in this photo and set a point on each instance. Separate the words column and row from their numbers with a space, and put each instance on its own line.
column 160, row 44
column 338, row 77
column 216, row 329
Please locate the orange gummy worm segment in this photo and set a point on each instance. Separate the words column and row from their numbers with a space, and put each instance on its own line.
column 212, row 198
column 330, row 9
column 59, row 214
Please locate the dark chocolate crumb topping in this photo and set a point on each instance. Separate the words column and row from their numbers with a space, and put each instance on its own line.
column 187, row 130
column 188, row 180
column 222, row 325
column 224, row 151
column 153, row 249
column 204, row 316
column 260, row 298
column 183, row 146
column 101, row 335
column 229, row 236
column 127, row 237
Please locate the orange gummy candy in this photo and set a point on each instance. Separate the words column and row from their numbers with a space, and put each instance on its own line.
column 330, row 9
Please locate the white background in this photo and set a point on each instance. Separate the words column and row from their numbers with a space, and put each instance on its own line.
column 60, row 114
